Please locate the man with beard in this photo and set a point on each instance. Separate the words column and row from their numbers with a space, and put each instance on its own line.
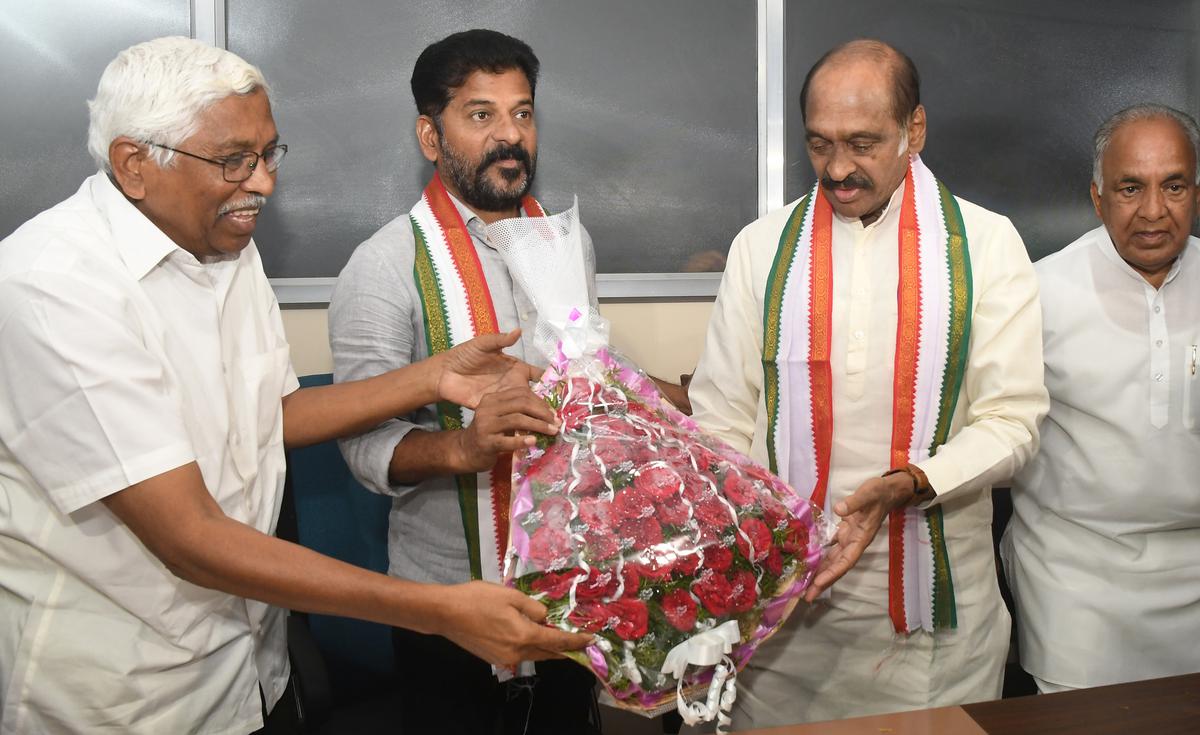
column 424, row 281
column 878, row 344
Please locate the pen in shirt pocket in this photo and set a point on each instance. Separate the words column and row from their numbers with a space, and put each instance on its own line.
column 1192, row 361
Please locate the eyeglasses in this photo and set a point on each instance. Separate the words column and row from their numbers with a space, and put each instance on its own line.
column 240, row 166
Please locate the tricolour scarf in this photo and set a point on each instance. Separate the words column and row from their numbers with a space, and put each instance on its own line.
column 932, row 334
column 457, row 306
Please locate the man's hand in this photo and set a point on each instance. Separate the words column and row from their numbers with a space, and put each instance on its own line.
column 474, row 368
column 862, row 514
column 501, row 625
column 502, row 423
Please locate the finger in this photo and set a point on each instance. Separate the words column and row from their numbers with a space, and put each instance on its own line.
column 553, row 640
column 503, row 444
column 497, row 342
column 532, row 372
column 529, row 607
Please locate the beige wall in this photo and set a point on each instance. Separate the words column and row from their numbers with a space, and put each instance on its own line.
column 663, row 338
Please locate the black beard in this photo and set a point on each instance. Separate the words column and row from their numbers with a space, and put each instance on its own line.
column 473, row 184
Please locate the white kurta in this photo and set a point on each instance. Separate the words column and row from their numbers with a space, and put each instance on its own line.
column 839, row 657
column 122, row 357
column 1103, row 552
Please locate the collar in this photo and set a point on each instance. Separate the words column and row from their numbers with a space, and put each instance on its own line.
column 1109, row 248
column 138, row 241
column 892, row 207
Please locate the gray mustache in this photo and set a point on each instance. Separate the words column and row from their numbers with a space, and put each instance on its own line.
column 254, row 201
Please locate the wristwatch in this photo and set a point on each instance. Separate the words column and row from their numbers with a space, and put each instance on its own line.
column 922, row 490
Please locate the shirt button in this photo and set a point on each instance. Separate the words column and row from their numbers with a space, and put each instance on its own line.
column 1158, row 343
column 858, row 335
column 1158, row 377
column 1157, row 309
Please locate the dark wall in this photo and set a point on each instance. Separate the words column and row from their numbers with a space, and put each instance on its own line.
column 1014, row 91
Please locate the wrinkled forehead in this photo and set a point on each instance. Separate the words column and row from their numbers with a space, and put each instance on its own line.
column 1156, row 146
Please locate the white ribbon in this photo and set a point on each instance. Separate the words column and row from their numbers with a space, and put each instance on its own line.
column 710, row 648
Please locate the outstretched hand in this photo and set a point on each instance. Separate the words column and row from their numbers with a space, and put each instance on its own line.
column 502, row 626
column 474, row 368
column 862, row 513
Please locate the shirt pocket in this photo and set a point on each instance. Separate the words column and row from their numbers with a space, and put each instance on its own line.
column 257, row 387
column 1191, row 389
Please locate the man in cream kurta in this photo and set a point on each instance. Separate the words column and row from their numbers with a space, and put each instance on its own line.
column 1102, row 550
column 839, row 656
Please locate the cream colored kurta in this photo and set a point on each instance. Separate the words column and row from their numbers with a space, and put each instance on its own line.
column 839, row 657
column 1103, row 552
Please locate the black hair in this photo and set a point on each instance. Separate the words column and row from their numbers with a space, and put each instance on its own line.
column 906, row 83
column 444, row 66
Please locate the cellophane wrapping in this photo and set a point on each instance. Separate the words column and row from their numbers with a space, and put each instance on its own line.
column 631, row 523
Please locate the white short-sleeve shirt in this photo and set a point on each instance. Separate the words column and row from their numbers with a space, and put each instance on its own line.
column 122, row 357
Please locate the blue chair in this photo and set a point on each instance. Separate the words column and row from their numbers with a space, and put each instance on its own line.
column 345, row 667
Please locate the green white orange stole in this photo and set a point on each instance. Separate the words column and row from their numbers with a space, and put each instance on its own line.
column 457, row 306
column 932, row 333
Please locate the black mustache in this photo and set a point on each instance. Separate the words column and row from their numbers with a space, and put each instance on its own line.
column 505, row 152
column 853, row 181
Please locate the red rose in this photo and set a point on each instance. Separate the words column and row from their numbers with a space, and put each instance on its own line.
column 658, row 481
column 597, row 514
column 740, row 491
column 628, row 618
column 598, row 583
column 759, row 537
column 552, row 466
column 652, row 566
column 774, row 561
column 631, row 618
column 642, row 533
column 673, row 512
column 714, row 592
column 680, row 609
column 743, row 591
column 601, row 544
column 633, row 504
column 589, row 616
column 795, row 539
column 612, row 451
column 775, row 513
column 718, row 558
column 590, row 480
column 549, row 547
column 687, row 564
column 572, row 415
column 556, row 585
column 706, row 459
column 696, row 488
column 714, row 513
column 556, row 511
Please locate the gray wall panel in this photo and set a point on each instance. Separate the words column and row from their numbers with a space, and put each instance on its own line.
column 1014, row 91
column 647, row 110
column 52, row 54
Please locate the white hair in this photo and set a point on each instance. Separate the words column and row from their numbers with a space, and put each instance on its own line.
column 154, row 92
column 1144, row 111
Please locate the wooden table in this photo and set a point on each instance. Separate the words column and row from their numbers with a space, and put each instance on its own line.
column 1154, row 707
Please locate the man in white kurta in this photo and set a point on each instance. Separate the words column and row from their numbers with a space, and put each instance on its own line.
column 1103, row 547
column 839, row 656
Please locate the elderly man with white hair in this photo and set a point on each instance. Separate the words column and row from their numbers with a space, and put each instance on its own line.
column 1102, row 548
column 146, row 398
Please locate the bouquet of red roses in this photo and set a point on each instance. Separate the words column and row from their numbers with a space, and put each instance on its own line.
column 634, row 525
column 680, row 554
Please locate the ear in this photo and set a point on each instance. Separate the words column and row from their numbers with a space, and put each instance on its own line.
column 429, row 138
column 127, row 159
column 1096, row 200
column 916, row 130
